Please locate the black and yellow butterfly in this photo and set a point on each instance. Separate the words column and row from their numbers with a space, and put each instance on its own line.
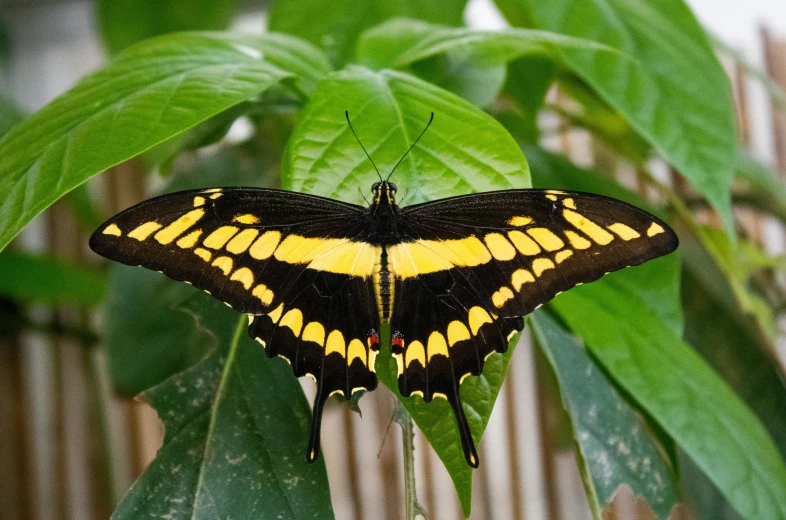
column 318, row 277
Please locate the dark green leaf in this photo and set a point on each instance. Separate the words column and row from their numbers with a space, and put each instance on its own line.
column 125, row 22
column 336, row 25
column 236, row 427
column 80, row 202
column 765, row 188
column 623, row 324
column 44, row 279
column 465, row 150
column 528, row 81
column 150, row 93
column 517, row 12
column 614, row 443
column 677, row 95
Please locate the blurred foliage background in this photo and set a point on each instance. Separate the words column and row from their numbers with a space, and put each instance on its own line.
column 659, row 388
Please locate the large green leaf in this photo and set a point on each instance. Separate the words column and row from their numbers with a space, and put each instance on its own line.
column 150, row 93
column 125, row 22
column 236, row 426
column 615, row 445
column 622, row 323
column 465, row 150
column 48, row 280
column 677, row 95
column 9, row 115
column 730, row 343
column 336, row 25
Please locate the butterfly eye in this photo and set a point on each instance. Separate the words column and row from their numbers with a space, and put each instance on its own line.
column 393, row 187
column 375, row 186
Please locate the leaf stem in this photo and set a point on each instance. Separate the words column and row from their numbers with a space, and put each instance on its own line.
column 412, row 507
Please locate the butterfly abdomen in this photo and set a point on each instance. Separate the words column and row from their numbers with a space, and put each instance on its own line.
column 383, row 286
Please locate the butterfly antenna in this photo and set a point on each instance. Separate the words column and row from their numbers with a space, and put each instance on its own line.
column 346, row 113
column 411, row 147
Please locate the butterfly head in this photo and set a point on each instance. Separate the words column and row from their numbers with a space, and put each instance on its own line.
column 384, row 193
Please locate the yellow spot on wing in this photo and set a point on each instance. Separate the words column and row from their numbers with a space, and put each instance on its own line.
column 576, row 240
column 520, row 277
column 265, row 245
column 569, row 203
column 315, row 332
column 523, row 243
column 415, row 352
column 654, row 229
column 263, row 293
column 244, row 276
column 563, row 255
column 294, row 320
column 335, row 343
column 547, row 240
column 190, row 239
column 352, row 258
column 204, row 254
column 276, row 314
column 457, row 331
column 242, row 241
column 112, row 229
column 179, row 226
column 224, row 263
column 144, row 231
column 199, row 201
column 551, row 197
column 220, row 236
column 212, row 190
column 356, row 350
column 499, row 246
column 541, row 264
column 477, row 317
column 501, row 296
column 624, row 232
column 588, row 227
column 520, row 221
column 248, row 218
column 437, row 345
column 429, row 256
column 216, row 195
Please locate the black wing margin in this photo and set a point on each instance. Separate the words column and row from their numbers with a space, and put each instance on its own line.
column 470, row 267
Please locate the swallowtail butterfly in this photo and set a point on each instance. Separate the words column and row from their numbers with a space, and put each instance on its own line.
column 318, row 277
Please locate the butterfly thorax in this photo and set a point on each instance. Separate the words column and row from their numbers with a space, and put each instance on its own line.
column 383, row 214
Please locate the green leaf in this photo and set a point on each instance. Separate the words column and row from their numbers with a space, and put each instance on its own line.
column 624, row 326
column 43, row 279
column 677, row 95
column 236, row 426
column 125, row 22
column 465, row 150
column 467, row 74
column 730, row 342
column 336, row 25
column 516, row 12
column 529, row 79
column 614, row 444
column 150, row 93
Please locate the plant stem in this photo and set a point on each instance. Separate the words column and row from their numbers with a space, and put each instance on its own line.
column 412, row 508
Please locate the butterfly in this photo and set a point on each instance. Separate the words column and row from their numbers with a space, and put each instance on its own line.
column 318, row 278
